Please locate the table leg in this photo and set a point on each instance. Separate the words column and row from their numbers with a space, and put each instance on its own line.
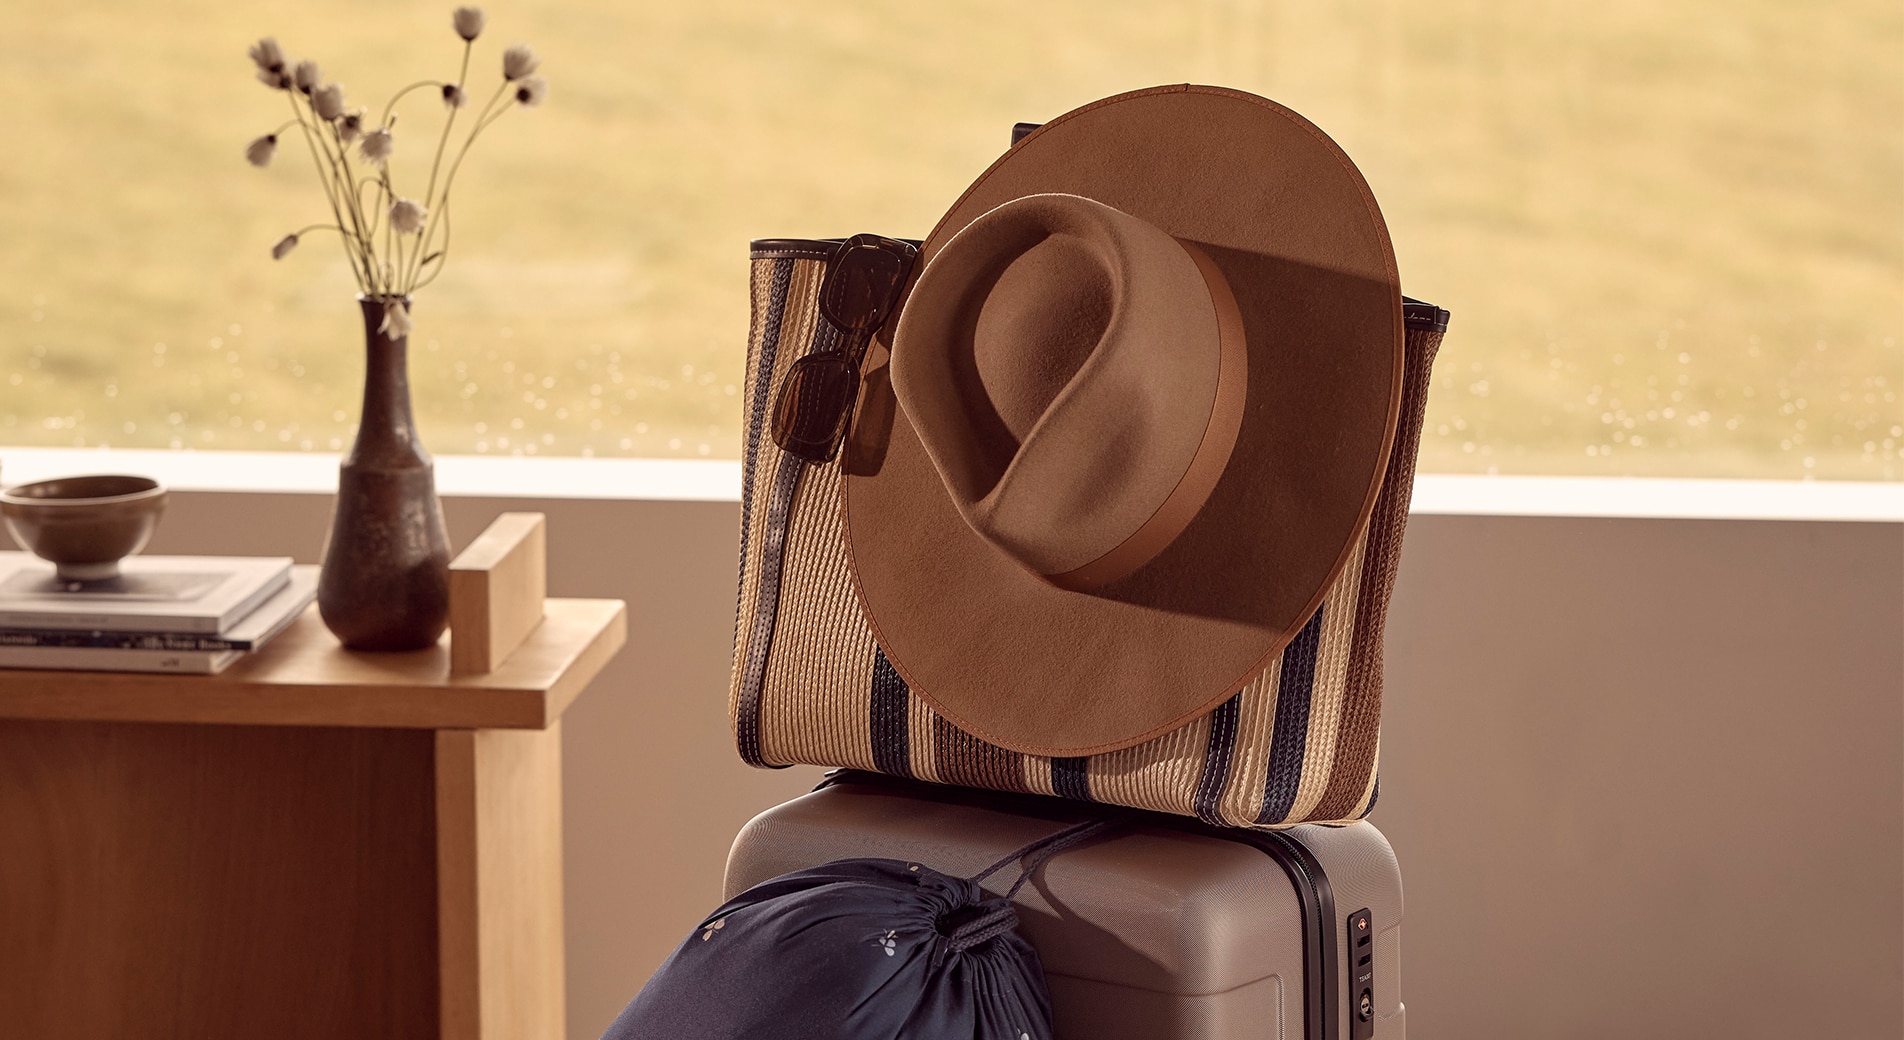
column 499, row 884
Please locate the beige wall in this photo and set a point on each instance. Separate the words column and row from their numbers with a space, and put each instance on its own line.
column 1645, row 777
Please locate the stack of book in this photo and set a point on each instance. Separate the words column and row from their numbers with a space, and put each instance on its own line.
column 193, row 614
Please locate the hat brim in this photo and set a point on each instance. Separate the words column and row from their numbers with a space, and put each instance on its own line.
column 1033, row 668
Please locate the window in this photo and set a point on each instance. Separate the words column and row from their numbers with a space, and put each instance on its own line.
column 1669, row 233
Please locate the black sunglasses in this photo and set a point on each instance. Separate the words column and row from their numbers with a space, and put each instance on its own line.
column 863, row 280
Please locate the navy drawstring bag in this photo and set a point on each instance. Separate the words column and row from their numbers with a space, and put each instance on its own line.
column 856, row 949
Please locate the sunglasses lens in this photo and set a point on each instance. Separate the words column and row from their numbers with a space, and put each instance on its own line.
column 813, row 405
column 861, row 284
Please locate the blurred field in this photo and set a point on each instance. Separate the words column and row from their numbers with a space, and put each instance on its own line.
column 1672, row 235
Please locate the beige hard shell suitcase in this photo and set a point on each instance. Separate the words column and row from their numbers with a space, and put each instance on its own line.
column 1169, row 929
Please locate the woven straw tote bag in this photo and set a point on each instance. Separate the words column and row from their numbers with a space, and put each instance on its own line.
column 1298, row 744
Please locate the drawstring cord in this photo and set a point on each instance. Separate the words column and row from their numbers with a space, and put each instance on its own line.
column 996, row 916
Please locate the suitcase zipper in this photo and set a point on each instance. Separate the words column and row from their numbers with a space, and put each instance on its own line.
column 1321, row 1004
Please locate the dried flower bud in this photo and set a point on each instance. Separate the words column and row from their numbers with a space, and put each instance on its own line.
column 519, row 61
column 532, row 90
column 267, row 55
column 279, row 80
column 453, row 95
column 259, row 152
column 406, row 216
column 396, row 319
column 468, row 22
column 377, row 145
column 306, row 76
column 329, row 101
column 285, row 245
column 351, row 127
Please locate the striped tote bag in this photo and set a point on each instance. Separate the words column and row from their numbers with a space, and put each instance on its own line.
column 1299, row 743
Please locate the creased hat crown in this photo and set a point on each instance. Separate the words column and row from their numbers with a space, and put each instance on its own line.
column 1076, row 376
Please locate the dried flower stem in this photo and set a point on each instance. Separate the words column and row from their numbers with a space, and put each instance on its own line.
column 441, row 203
column 366, row 225
column 398, row 96
column 338, row 186
column 491, row 117
column 357, row 261
column 374, row 210
column 443, row 218
column 429, row 193
column 462, row 78
column 337, row 152
column 389, row 233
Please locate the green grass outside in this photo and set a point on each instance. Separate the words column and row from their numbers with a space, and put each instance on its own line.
column 1672, row 235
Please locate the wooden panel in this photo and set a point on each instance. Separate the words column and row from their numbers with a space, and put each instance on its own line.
column 303, row 678
column 499, row 852
column 215, row 882
column 497, row 586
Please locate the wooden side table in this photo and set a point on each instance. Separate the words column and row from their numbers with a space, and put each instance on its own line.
column 313, row 844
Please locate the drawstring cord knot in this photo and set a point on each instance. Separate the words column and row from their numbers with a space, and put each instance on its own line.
column 970, row 926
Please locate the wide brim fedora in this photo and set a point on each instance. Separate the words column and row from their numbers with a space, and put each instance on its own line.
column 1020, row 662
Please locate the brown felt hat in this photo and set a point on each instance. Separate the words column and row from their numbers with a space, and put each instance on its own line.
column 1131, row 422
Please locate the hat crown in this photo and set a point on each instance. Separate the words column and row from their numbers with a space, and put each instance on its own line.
column 1061, row 360
column 1045, row 313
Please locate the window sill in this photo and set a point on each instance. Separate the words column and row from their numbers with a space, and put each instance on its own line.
column 697, row 480
column 470, row 476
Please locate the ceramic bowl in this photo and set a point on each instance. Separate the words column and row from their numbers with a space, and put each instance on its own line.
column 84, row 525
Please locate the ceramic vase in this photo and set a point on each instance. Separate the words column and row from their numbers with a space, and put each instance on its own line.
column 384, row 584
